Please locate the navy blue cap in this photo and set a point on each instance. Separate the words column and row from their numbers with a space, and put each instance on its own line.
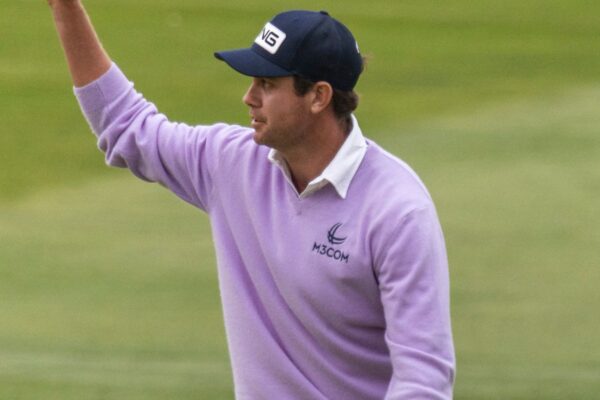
column 306, row 43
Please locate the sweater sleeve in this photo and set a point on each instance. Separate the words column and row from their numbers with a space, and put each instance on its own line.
column 133, row 134
column 414, row 285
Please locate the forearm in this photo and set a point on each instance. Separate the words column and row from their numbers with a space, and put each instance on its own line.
column 414, row 284
column 86, row 58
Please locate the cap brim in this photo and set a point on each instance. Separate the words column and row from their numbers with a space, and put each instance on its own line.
column 248, row 62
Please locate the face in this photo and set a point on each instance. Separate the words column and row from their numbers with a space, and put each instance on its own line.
column 280, row 118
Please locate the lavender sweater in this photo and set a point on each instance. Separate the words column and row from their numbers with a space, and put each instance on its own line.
column 324, row 297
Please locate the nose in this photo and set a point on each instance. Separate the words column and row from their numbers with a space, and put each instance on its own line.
column 251, row 98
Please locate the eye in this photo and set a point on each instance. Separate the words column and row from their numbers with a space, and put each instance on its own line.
column 265, row 83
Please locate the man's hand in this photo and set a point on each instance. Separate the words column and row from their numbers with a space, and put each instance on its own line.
column 86, row 58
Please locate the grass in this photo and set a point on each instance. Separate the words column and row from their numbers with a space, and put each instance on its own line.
column 109, row 287
column 106, row 302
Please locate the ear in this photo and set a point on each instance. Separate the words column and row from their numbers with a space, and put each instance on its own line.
column 322, row 93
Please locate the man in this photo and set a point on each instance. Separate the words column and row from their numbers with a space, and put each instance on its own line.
column 331, row 260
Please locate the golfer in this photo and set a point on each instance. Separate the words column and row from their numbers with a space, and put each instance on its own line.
column 331, row 260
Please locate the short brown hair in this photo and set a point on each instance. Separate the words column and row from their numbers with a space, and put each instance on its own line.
column 344, row 102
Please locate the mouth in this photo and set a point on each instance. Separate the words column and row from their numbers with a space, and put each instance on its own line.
column 256, row 121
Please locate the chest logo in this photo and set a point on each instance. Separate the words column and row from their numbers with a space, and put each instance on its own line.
column 331, row 235
column 329, row 250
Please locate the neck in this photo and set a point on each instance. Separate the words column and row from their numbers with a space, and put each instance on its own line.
column 308, row 160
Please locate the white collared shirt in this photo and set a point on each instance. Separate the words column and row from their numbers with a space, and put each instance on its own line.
column 339, row 172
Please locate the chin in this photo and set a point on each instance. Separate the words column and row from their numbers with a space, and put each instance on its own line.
column 259, row 138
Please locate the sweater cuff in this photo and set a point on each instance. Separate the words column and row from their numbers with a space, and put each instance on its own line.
column 100, row 92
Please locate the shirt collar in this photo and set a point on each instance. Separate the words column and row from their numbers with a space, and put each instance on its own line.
column 339, row 172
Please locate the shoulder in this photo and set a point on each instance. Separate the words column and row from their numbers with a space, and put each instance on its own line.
column 227, row 134
column 388, row 180
column 228, row 138
column 396, row 207
column 387, row 193
column 234, row 148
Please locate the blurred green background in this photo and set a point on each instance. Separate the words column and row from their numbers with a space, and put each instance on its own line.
column 108, row 285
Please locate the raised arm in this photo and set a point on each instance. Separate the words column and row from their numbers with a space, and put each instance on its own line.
column 86, row 58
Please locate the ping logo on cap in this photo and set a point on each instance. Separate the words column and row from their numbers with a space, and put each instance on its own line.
column 270, row 38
